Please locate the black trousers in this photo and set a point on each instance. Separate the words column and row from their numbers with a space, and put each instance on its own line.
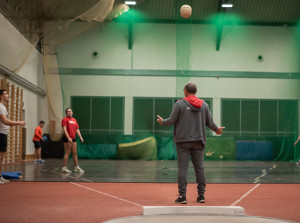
column 195, row 150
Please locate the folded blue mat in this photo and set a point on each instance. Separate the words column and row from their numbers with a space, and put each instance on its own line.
column 14, row 175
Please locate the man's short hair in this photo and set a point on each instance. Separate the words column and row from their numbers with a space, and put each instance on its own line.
column 190, row 88
column 42, row 122
column 2, row 91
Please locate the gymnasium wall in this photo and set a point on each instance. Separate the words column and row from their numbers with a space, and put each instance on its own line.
column 14, row 47
column 154, row 57
column 35, row 106
column 154, row 48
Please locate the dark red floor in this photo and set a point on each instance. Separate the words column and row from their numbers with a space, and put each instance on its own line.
column 36, row 202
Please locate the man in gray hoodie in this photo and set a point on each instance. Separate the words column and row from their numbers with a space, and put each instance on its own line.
column 190, row 116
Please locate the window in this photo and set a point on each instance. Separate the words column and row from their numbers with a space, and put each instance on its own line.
column 145, row 111
column 255, row 117
column 99, row 114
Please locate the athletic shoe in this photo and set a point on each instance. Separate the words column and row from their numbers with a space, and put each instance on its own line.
column 181, row 200
column 297, row 163
column 77, row 169
column 3, row 180
column 65, row 170
column 201, row 198
column 42, row 161
column 36, row 161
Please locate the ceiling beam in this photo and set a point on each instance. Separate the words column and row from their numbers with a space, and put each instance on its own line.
column 219, row 26
column 130, row 34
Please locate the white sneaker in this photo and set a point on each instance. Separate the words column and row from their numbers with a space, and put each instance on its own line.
column 41, row 161
column 65, row 170
column 3, row 180
column 77, row 169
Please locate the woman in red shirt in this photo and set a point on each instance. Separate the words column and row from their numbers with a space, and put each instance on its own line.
column 70, row 127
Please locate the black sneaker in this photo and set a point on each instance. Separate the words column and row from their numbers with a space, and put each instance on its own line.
column 181, row 200
column 201, row 198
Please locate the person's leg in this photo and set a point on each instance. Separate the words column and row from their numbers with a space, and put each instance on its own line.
column 3, row 145
column 2, row 180
column 77, row 169
column 39, row 151
column 67, row 146
column 36, row 152
column 74, row 153
column 183, row 155
column 198, row 163
column 35, row 155
column 1, row 160
column 197, row 154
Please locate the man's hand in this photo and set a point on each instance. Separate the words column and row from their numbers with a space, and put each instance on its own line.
column 81, row 140
column 220, row 130
column 159, row 120
column 22, row 123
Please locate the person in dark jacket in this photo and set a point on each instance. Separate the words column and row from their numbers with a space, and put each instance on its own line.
column 190, row 116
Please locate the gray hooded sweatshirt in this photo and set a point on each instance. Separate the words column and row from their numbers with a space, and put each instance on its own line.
column 190, row 122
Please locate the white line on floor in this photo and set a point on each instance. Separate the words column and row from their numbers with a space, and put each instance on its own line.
column 264, row 172
column 245, row 195
column 68, row 175
column 86, row 179
column 106, row 194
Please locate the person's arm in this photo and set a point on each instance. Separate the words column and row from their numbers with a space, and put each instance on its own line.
column 79, row 134
column 297, row 141
column 210, row 123
column 10, row 122
column 41, row 133
column 67, row 134
column 173, row 117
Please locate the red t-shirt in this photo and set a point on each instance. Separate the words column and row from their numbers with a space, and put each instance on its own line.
column 37, row 134
column 71, row 125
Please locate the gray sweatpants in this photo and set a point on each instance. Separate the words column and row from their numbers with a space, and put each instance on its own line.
column 195, row 150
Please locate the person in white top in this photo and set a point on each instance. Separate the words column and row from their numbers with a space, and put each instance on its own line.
column 4, row 128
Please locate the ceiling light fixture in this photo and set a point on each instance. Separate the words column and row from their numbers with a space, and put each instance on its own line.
column 227, row 5
column 130, row 2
